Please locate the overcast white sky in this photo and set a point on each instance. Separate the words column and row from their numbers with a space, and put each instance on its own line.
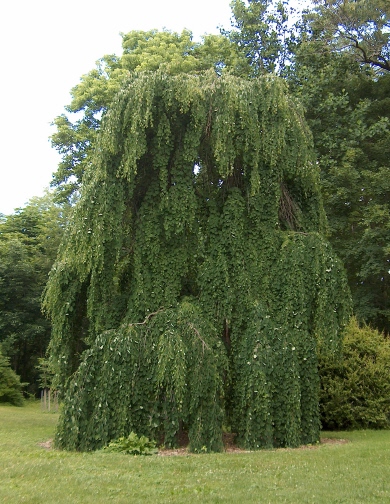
column 45, row 47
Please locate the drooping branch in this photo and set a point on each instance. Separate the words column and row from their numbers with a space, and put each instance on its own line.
column 204, row 344
column 147, row 318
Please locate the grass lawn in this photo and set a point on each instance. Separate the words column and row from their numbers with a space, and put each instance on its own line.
column 353, row 472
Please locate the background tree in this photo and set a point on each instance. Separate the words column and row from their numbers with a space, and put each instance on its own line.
column 29, row 239
column 261, row 33
column 193, row 286
column 348, row 111
column 358, row 27
column 337, row 59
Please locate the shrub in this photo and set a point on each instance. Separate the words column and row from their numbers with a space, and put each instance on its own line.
column 355, row 388
column 10, row 385
column 133, row 445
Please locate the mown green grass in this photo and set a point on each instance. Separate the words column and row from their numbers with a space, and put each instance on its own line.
column 356, row 472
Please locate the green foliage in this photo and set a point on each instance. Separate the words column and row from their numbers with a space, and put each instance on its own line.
column 355, row 387
column 10, row 385
column 170, row 52
column 261, row 35
column 133, row 445
column 194, row 275
column 347, row 109
column 335, row 63
column 29, row 239
column 358, row 27
column 154, row 377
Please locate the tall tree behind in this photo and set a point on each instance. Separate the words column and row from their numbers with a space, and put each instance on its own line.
column 261, row 33
column 340, row 76
column 359, row 27
column 337, row 64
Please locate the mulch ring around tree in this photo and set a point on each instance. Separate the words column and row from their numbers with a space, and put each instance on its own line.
column 229, row 444
column 231, row 447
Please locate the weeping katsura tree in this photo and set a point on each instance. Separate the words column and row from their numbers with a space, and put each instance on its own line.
column 194, row 288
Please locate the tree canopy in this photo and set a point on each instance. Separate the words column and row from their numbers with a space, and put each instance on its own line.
column 261, row 35
column 151, row 50
column 194, row 285
column 334, row 59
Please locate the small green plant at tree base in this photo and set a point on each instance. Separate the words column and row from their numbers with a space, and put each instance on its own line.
column 133, row 445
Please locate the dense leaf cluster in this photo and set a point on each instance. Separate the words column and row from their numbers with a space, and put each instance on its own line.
column 10, row 385
column 355, row 387
column 335, row 59
column 133, row 445
column 28, row 245
column 194, row 275
column 348, row 112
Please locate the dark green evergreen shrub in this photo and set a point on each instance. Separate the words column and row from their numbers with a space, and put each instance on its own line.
column 10, row 385
column 355, row 387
